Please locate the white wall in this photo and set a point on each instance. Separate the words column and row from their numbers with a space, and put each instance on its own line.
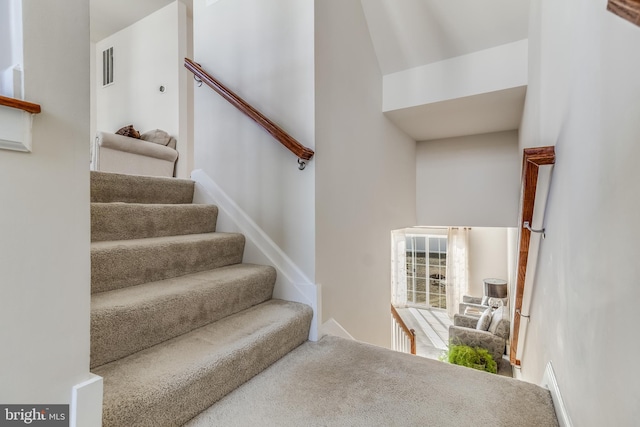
column 147, row 55
column 93, row 87
column 365, row 175
column 186, row 166
column 512, row 261
column 44, row 219
column 488, row 257
column 498, row 68
column 264, row 52
column 469, row 181
column 11, row 48
column 584, row 98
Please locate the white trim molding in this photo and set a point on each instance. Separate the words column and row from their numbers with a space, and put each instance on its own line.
column 332, row 327
column 549, row 381
column 86, row 403
column 291, row 283
column 15, row 129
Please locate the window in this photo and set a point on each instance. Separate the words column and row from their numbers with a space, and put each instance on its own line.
column 426, row 257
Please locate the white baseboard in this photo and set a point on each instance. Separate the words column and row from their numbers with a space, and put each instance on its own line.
column 86, row 403
column 291, row 284
column 332, row 327
column 549, row 381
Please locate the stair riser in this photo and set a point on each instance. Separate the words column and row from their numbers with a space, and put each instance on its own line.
column 119, row 331
column 112, row 187
column 175, row 403
column 115, row 221
column 124, row 266
column 233, row 372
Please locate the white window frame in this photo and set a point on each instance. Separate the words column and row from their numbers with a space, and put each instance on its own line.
column 412, row 292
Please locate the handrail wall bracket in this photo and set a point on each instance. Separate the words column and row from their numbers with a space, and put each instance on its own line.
column 533, row 230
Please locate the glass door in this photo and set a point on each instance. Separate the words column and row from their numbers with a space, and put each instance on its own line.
column 426, row 264
column 437, row 271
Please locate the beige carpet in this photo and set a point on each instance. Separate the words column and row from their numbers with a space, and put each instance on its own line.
column 336, row 382
column 177, row 320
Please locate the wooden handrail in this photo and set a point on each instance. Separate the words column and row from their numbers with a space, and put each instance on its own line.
column 533, row 158
column 19, row 104
column 626, row 9
column 411, row 333
column 276, row 131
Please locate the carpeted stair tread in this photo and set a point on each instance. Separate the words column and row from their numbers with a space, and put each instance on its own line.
column 168, row 384
column 126, row 221
column 122, row 263
column 113, row 187
column 131, row 319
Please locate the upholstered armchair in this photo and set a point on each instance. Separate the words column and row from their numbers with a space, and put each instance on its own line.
column 469, row 302
column 468, row 330
column 122, row 154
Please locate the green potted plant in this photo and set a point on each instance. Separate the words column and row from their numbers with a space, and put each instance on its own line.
column 471, row 357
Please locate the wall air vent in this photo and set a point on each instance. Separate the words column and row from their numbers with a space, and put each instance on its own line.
column 107, row 67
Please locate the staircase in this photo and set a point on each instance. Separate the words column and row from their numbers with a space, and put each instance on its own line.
column 177, row 320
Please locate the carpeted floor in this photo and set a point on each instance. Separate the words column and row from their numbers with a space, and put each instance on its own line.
column 336, row 382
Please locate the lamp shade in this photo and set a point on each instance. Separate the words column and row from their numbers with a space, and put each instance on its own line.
column 495, row 288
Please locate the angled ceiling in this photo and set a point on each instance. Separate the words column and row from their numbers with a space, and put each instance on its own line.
column 489, row 112
column 110, row 16
column 410, row 33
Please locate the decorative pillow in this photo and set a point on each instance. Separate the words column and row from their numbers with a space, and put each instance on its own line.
column 484, row 321
column 496, row 317
column 485, row 300
column 157, row 136
column 129, row 131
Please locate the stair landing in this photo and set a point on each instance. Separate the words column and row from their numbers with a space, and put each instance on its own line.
column 338, row 382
